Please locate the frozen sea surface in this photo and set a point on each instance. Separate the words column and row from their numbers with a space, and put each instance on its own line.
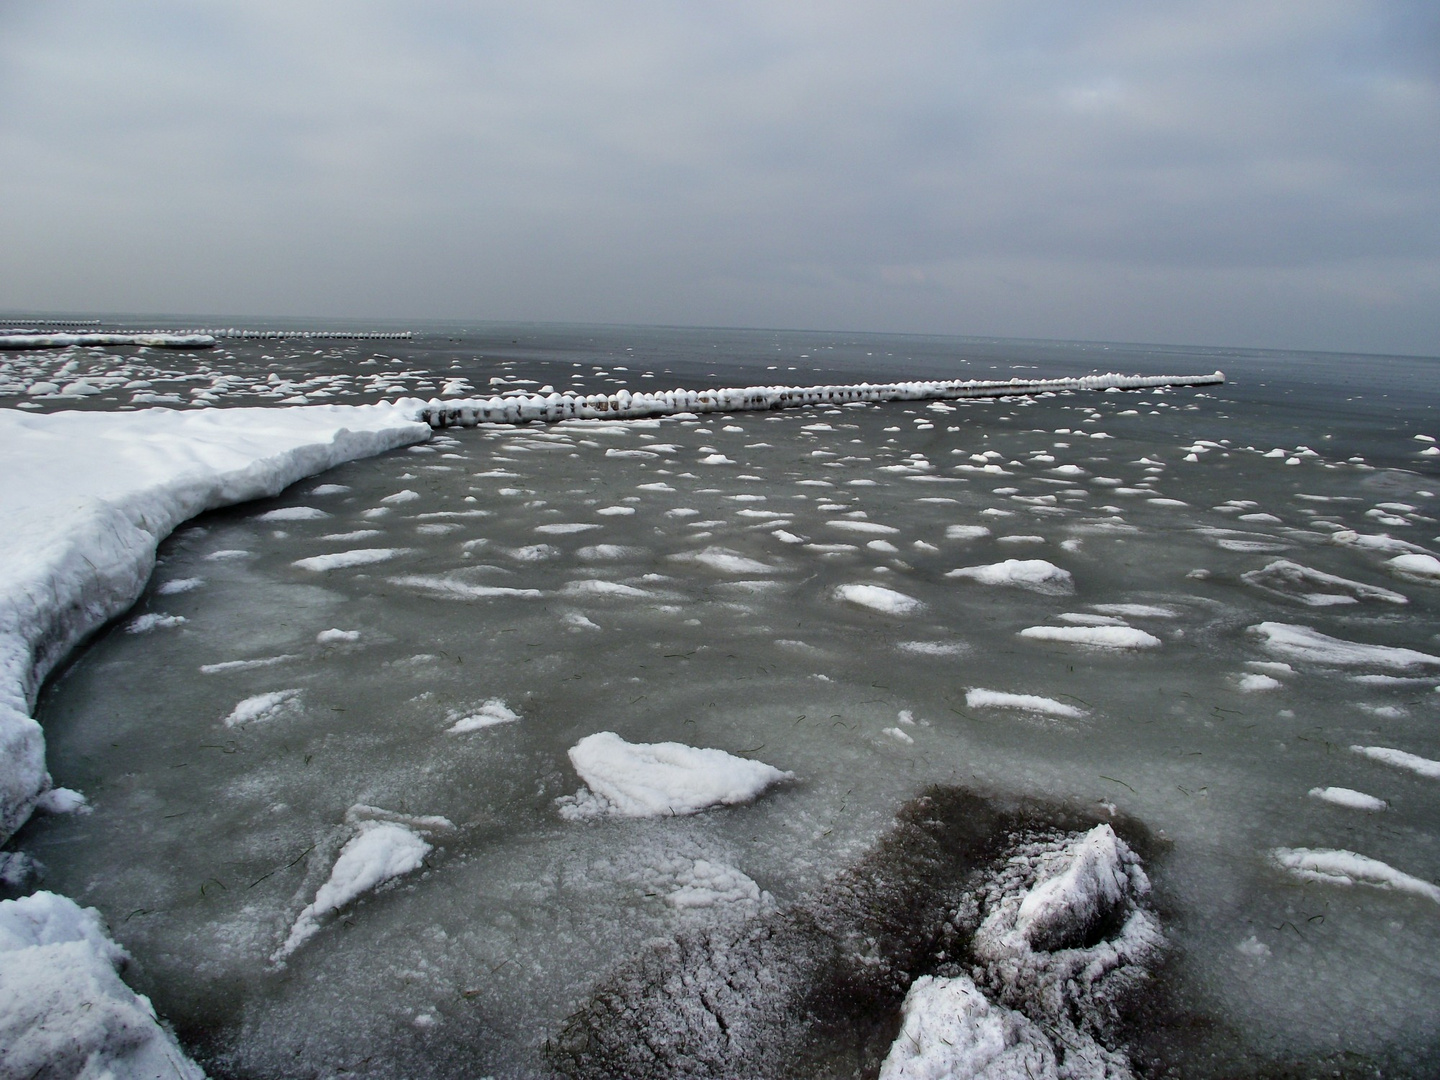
column 313, row 684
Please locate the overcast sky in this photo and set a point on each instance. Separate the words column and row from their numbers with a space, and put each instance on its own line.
column 1245, row 172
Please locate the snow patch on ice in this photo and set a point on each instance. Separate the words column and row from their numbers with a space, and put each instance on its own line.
column 978, row 698
column 264, row 707
column 878, row 598
column 1349, row 798
column 1401, row 760
column 1100, row 637
column 634, row 780
column 1335, row 866
column 492, row 712
column 1037, row 575
column 1303, row 643
column 340, row 560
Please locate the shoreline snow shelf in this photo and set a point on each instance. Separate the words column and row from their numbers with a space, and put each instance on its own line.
column 623, row 405
column 66, row 341
column 87, row 498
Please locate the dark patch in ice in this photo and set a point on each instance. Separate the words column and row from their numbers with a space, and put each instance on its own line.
column 815, row 988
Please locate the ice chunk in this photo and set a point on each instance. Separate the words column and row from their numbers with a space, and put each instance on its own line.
column 566, row 528
column 978, row 698
column 1101, row 637
column 1303, row 643
column 457, row 587
column 381, row 851
column 878, row 598
column 951, row 1031
column 154, row 620
column 1339, row 867
column 1058, row 911
column 64, row 1010
column 180, row 585
column 1401, row 760
column 1136, row 611
column 335, row 636
column 1037, row 575
column 659, row 779
column 867, row 528
column 340, row 560
column 263, row 707
column 1349, row 798
column 62, row 800
column 493, row 712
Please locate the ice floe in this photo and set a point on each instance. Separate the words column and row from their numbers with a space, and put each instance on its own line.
column 665, row 779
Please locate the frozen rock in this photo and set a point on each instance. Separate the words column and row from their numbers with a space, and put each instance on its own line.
column 951, row 1031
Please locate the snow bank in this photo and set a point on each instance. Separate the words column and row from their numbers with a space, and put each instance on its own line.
column 878, row 598
column 1037, row 575
column 1100, row 637
column 1338, row 867
column 88, row 496
column 978, row 698
column 64, row 1010
column 659, row 779
column 1302, row 643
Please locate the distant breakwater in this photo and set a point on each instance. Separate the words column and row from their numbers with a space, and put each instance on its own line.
column 624, row 405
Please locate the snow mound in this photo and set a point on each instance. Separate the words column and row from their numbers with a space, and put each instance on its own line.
column 1099, row 637
column 1037, row 575
column 1338, row 867
column 659, row 779
column 64, row 1010
column 1302, row 643
column 878, row 598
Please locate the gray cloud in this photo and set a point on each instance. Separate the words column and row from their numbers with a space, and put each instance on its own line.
column 1207, row 171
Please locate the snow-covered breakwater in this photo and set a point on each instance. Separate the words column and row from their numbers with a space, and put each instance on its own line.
column 623, row 405
column 66, row 341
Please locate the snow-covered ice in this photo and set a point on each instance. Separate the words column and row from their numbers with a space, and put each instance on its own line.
column 637, row 780
column 1037, row 575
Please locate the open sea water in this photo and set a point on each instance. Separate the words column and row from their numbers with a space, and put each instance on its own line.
column 676, row 580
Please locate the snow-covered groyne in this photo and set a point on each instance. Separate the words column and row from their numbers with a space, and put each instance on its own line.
column 66, row 341
column 624, row 405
